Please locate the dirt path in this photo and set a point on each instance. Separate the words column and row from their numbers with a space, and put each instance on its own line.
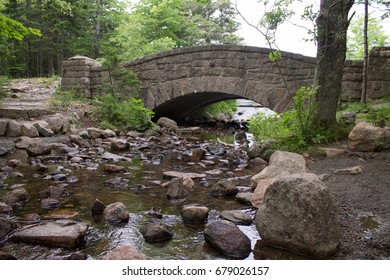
column 363, row 201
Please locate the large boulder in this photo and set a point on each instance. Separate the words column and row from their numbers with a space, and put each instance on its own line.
column 228, row 238
column 29, row 130
column 61, row 233
column 57, row 123
column 14, row 129
column 6, row 226
column 365, row 137
column 116, row 213
column 282, row 163
column 167, row 123
column 39, row 149
column 236, row 216
column 299, row 214
column 43, row 128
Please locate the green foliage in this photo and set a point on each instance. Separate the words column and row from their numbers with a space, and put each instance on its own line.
column 275, row 55
column 123, row 114
column 215, row 110
column 63, row 99
column 376, row 37
column 294, row 129
column 3, row 82
column 14, row 29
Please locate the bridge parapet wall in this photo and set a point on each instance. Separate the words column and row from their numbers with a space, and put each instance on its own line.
column 228, row 71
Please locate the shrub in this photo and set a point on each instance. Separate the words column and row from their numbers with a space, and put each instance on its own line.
column 123, row 114
column 294, row 129
column 63, row 99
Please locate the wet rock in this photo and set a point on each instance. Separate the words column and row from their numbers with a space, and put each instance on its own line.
column 167, row 123
column 224, row 187
column 216, row 150
column 259, row 149
column 59, row 177
column 258, row 164
column 198, row 155
column 3, row 151
column 124, row 253
column 194, row 214
column 59, row 214
column 72, row 179
column 156, row 232
column 355, row 170
column 244, row 197
column 38, row 149
column 5, row 256
column 53, row 192
column 176, row 189
column 365, row 137
column 114, row 157
column 226, row 237
column 154, row 213
column 117, row 182
column 14, row 162
column 236, row 216
column 282, row 163
column 18, row 195
column 298, row 214
column 108, row 133
column 14, row 129
column 188, row 184
column 119, row 145
column 77, row 256
column 112, row 168
column 6, row 226
column 29, row 130
column 61, row 233
column 176, row 174
column 116, row 213
column 50, row 203
column 5, row 208
column 98, row 207
column 43, row 128
column 23, row 142
column 31, row 218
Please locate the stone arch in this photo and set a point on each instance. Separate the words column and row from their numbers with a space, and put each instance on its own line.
column 177, row 82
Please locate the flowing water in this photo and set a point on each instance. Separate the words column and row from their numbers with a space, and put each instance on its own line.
column 188, row 241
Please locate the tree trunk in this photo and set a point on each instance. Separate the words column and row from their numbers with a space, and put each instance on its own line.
column 365, row 59
column 332, row 25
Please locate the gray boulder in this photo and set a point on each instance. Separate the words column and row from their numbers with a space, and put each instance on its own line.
column 167, row 123
column 29, row 130
column 299, row 214
column 14, row 129
column 116, row 213
column 154, row 232
column 39, row 149
column 365, row 137
column 57, row 123
column 224, row 187
column 228, row 238
column 43, row 128
column 236, row 216
column 176, row 189
column 61, row 233
column 194, row 214
column 18, row 195
column 3, row 126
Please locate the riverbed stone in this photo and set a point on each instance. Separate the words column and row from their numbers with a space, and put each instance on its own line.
column 194, row 214
column 98, row 207
column 38, row 149
column 113, row 168
column 365, row 137
column 244, row 197
column 155, row 231
column 18, row 195
column 119, row 145
column 124, row 253
column 282, row 163
column 299, row 214
column 198, row 154
column 3, row 126
column 3, row 151
column 14, row 129
column 43, row 128
column 117, row 182
column 228, row 238
column 176, row 189
column 116, row 213
column 50, row 203
column 224, row 187
column 6, row 226
column 29, row 130
column 354, row 170
column 57, row 123
column 5, row 208
column 168, row 123
column 176, row 174
column 236, row 216
column 54, row 192
column 60, row 233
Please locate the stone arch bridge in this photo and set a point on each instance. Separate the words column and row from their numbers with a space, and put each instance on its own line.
column 177, row 82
